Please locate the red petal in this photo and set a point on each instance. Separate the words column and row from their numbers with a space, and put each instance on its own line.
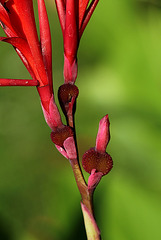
column 25, row 12
column 12, row 19
column 22, row 45
column 88, row 15
column 82, row 9
column 103, row 135
column 62, row 151
column 18, row 82
column 71, row 31
column 6, row 23
column 60, row 5
column 27, row 65
column 70, row 148
column 45, row 39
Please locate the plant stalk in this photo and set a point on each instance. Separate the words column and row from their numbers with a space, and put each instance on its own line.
column 92, row 230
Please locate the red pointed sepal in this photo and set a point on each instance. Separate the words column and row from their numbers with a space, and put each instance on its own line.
column 103, row 135
column 23, row 47
column 82, row 9
column 6, row 22
column 87, row 16
column 71, row 38
column 45, row 39
column 60, row 5
column 27, row 21
column 68, row 150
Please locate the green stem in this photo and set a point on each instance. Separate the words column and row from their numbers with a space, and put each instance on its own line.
column 82, row 186
column 92, row 230
column 87, row 197
column 91, row 227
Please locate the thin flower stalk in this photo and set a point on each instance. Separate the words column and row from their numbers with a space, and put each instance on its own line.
column 74, row 16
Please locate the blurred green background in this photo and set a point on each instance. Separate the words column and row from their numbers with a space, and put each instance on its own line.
column 119, row 74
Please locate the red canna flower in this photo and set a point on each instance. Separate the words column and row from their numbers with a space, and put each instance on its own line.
column 18, row 22
column 74, row 16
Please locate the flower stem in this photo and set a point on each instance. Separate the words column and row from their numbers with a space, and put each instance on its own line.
column 91, row 227
column 92, row 230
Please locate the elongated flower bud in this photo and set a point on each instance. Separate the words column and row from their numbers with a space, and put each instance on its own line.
column 96, row 161
column 103, row 135
column 67, row 95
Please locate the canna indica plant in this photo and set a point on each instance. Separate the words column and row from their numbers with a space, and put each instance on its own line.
column 18, row 22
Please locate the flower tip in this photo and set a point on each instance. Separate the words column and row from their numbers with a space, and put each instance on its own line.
column 105, row 119
column 103, row 135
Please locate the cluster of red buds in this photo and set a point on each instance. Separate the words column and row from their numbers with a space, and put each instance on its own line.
column 18, row 22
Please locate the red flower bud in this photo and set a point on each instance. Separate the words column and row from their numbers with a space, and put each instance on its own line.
column 67, row 95
column 92, row 159
column 103, row 135
column 59, row 135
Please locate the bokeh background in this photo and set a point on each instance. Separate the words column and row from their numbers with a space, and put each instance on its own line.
column 119, row 74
